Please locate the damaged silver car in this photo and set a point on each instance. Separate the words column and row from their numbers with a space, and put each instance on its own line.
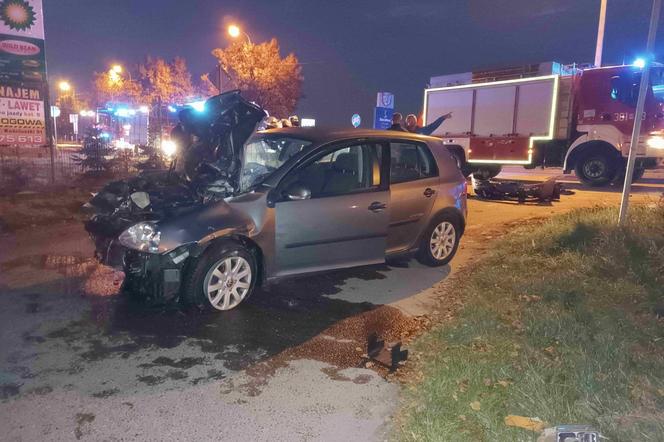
column 240, row 208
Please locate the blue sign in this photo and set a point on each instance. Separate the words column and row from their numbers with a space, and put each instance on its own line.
column 383, row 117
column 356, row 120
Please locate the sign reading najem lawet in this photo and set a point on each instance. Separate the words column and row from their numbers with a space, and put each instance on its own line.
column 21, row 116
column 22, row 73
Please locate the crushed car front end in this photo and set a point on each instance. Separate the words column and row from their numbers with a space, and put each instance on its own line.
column 138, row 224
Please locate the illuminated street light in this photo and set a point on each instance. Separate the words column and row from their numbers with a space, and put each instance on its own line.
column 64, row 86
column 234, row 31
column 117, row 69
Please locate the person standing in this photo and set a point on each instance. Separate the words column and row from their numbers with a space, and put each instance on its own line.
column 396, row 122
column 411, row 124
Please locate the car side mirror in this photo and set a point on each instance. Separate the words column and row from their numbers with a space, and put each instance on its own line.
column 297, row 192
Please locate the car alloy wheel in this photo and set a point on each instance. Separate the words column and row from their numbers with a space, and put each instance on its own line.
column 228, row 282
column 443, row 240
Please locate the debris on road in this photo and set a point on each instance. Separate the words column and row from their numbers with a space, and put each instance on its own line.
column 389, row 355
column 547, row 191
column 580, row 433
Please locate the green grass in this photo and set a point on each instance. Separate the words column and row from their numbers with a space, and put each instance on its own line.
column 558, row 324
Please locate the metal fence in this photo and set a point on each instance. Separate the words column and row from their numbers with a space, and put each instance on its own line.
column 24, row 168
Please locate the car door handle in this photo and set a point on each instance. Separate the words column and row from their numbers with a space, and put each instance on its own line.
column 428, row 192
column 377, row 206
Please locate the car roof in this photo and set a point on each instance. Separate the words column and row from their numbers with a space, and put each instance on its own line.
column 323, row 135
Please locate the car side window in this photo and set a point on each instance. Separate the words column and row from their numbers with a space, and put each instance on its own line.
column 410, row 162
column 349, row 169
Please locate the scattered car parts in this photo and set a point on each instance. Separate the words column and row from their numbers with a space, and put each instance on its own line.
column 547, row 191
column 389, row 355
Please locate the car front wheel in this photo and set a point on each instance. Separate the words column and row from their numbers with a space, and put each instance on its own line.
column 222, row 278
column 440, row 241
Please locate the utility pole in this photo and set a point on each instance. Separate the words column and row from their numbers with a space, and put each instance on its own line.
column 600, row 34
column 638, row 114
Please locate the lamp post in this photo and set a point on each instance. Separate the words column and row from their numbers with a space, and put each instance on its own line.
column 638, row 114
column 600, row 34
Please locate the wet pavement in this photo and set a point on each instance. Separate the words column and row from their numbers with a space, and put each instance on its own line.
column 68, row 332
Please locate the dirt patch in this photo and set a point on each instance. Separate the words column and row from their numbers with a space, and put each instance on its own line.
column 31, row 209
column 183, row 363
column 150, row 380
column 9, row 390
column 83, row 421
column 105, row 393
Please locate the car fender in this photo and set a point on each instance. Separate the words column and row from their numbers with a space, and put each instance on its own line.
column 212, row 221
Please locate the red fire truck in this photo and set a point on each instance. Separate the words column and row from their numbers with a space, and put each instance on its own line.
column 549, row 115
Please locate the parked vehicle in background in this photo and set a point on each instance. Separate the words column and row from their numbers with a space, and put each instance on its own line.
column 549, row 115
column 283, row 202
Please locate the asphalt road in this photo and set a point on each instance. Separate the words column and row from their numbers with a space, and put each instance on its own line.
column 79, row 361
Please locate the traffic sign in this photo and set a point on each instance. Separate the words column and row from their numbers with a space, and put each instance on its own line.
column 356, row 120
column 383, row 117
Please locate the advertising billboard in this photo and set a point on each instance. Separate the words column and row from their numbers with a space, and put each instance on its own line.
column 23, row 81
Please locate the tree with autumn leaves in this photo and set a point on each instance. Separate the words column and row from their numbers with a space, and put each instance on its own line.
column 263, row 76
column 258, row 70
column 158, row 82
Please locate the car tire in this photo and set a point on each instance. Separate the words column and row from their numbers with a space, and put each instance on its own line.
column 595, row 169
column 440, row 241
column 222, row 278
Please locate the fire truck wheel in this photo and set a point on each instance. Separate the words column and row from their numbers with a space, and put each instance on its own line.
column 638, row 174
column 595, row 170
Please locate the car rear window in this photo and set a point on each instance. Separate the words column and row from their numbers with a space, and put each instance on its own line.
column 410, row 161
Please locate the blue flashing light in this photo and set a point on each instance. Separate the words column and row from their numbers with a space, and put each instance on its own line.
column 122, row 112
column 198, row 106
column 171, row 108
column 105, row 135
column 640, row 63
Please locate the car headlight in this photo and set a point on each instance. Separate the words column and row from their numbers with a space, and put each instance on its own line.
column 656, row 142
column 143, row 237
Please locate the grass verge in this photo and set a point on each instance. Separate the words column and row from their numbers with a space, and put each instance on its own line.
column 559, row 323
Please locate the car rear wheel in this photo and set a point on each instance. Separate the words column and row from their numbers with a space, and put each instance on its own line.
column 440, row 241
column 222, row 278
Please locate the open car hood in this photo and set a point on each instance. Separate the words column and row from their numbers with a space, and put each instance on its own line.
column 210, row 140
column 206, row 170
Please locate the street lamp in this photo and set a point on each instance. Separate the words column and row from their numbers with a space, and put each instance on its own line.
column 64, row 86
column 234, row 31
column 117, row 68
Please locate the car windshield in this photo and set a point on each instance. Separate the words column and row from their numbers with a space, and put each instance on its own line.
column 265, row 154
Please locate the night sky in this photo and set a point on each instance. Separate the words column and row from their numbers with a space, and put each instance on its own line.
column 349, row 49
